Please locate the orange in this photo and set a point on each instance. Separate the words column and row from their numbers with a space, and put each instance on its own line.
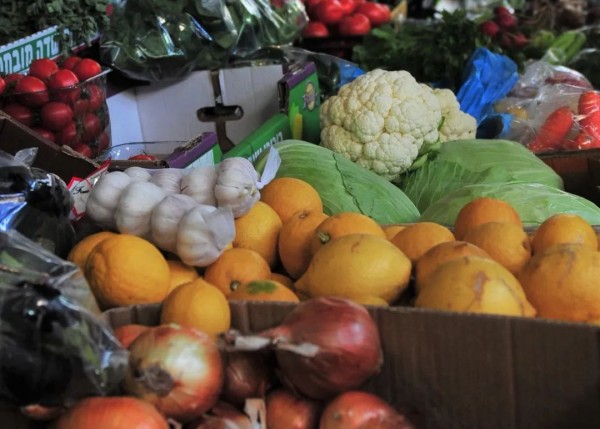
column 357, row 266
column 180, row 273
column 127, row 270
column 263, row 290
column 475, row 285
column 484, row 210
column 564, row 228
column 341, row 224
column 235, row 267
column 506, row 243
column 288, row 195
column 198, row 305
column 392, row 230
column 80, row 252
column 418, row 238
column 258, row 230
column 295, row 241
column 442, row 253
column 283, row 279
column 562, row 282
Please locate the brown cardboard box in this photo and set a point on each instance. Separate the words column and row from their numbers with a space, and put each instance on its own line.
column 458, row 370
column 62, row 161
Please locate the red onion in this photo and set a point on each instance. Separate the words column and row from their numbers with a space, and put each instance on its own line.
column 327, row 346
column 177, row 369
column 288, row 411
column 247, row 375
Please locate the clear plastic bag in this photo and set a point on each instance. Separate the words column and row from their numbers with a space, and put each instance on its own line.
column 35, row 203
column 154, row 40
column 549, row 110
column 54, row 346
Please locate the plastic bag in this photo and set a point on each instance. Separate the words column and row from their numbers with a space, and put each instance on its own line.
column 155, row 40
column 547, row 112
column 35, row 203
column 54, row 347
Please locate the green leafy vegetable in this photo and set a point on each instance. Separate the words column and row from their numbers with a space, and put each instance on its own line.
column 534, row 202
column 469, row 162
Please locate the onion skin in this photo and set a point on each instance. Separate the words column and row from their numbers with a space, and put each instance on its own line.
column 126, row 334
column 247, row 375
column 178, row 370
column 349, row 347
column 361, row 410
column 112, row 413
column 288, row 411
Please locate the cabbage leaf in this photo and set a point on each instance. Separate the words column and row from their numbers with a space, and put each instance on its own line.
column 469, row 162
column 534, row 202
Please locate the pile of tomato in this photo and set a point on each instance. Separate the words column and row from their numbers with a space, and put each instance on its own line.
column 63, row 101
column 332, row 18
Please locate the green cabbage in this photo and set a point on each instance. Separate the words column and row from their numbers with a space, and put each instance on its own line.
column 343, row 185
column 470, row 162
column 534, row 202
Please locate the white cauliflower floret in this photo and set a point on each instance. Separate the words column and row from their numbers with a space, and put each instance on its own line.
column 381, row 120
column 457, row 125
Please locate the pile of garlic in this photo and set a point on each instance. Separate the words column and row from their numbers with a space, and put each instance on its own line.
column 187, row 212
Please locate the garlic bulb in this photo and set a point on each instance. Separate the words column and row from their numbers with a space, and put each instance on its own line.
column 135, row 208
column 199, row 184
column 104, row 196
column 237, row 185
column 165, row 218
column 138, row 173
column 203, row 234
column 168, row 179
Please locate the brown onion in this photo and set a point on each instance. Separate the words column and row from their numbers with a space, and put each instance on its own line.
column 247, row 375
column 112, row 413
column 326, row 346
column 288, row 411
column 222, row 416
column 177, row 369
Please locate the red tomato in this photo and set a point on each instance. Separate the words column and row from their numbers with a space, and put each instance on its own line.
column 55, row 115
column 91, row 126
column 80, row 107
column 32, row 91
column 377, row 13
column 86, row 69
column 2, row 85
column 43, row 68
column 329, row 11
column 83, row 149
column 142, row 157
column 315, row 29
column 47, row 134
column 69, row 62
column 355, row 25
column 63, row 85
column 19, row 113
column 102, row 143
column 311, row 7
column 95, row 97
column 69, row 135
column 348, row 6
column 12, row 79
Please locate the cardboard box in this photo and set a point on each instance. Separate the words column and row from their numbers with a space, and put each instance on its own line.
column 62, row 161
column 458, row 371
column 243, row 106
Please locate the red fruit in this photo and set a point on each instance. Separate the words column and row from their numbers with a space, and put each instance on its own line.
column 49, row 135
column 69, row 62
column 378, row 13
column 311, row 7
column 2, row 85
column 315, row 29
column 43, row 68
column 102, row 143
column 489, row 28
column 506, row 22
column 95, row 97
column 63, row 86
column 86, row 69
column 91, row 126
column 501, row 10
column 142, row 157
column 19, row 113
column 32, row 91
column 69, row 135
column 355, row 25
column 83, row 149
column 12, row 79
column 55, row 115
column 329, row 11
column 519, row 41
column 348, row 6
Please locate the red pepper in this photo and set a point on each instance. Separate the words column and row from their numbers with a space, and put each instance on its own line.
column 553, row 131
column 588, row 110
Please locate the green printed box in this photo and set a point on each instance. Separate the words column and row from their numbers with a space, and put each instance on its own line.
column 16, row 56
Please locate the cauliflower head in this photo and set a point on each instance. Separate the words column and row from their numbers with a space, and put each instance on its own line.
column 457, row 125
column 381, row 120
